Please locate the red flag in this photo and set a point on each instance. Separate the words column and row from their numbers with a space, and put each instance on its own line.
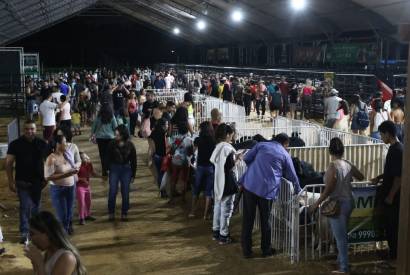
column 387, row 92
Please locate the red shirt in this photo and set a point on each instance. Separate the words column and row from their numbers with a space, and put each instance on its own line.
column 307, row 91
column 284, row 88
column 86, row 169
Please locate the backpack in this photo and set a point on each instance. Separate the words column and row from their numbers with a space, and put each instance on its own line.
column 363, row 119
column 277, row 99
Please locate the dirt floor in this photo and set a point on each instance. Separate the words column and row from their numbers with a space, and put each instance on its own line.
column 157, row 239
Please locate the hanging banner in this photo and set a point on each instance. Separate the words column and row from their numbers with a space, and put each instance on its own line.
column 351, row 53
column 364, row 223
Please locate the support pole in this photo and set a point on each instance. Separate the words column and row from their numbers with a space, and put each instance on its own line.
column 403, row 260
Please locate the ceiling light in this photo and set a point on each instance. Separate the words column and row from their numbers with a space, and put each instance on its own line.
column 237, row 16
column 298, row 4
column 176, row 31
column 201, row 25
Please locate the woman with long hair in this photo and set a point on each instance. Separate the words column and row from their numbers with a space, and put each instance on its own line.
column 357, row 106
column 60, row 257
column 338, row 186
column 205, row 144
column 158, row 148
column 342, row 121
column 122, row 164
column 225, row 184
column 103, row 132
column 180, row 118
column 133, row 112
column 59, row 170
column 377, row 116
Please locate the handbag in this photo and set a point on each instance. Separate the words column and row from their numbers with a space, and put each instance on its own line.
column 330, row 208
column 231, row 184
column 166, row 162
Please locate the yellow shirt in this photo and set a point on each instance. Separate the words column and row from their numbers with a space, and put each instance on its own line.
column 76, row 118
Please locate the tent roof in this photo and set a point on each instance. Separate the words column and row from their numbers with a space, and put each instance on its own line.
column 264, row 19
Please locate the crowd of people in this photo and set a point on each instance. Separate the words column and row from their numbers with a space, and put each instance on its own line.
column 119, row 107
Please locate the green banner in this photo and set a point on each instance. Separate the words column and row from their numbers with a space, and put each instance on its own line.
column 364, row 223
column 352, row 53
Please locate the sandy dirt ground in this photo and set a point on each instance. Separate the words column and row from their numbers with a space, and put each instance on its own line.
column 157, row 239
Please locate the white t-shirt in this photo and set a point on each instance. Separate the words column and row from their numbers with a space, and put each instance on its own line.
column 56, row 97
column 169, row 79
column 47, row 111
column 65, row 112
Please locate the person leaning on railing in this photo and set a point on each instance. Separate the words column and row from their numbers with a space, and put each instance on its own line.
column 338, row 178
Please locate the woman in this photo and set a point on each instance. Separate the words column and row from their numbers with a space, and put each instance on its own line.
column 188, row 103
column 342, row 122
column 60, row 257
column 338, row 179
column 377, row 116
column 133, row 112
column 293, row 100
column 180, row 118
column 122, row 164
column 158, row 148
column 307, row 97
column 205, row 144
column 181, row 146
column 356, row 107
column 59, row 170
column 103, row 132
column 225, row 187
column 65, row 115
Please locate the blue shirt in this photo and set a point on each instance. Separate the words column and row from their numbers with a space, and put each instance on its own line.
column 64, row 89
column 267, row 163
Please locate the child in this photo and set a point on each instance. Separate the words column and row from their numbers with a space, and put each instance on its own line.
column 76, row 121
column 83, row 189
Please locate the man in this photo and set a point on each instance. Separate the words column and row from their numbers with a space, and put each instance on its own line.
column 48, row 114
column 169, row 81
column 28, row 153
column 159, row 83
column 119, row 97
column 260, row 98
column 267, row 163
column 331, row 104
column 388, row 194
column 64, row 88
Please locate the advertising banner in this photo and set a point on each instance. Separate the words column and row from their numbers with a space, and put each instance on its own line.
column 364, row 223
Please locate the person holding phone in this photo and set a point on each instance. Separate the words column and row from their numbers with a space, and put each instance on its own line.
column 59, row 171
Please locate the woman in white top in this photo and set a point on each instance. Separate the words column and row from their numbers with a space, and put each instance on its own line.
column 377, row 116
column 59, row 170
column 65, row 115
column 342, row 121
column 60, row 257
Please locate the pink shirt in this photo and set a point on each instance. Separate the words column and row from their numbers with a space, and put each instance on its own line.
column 308, row 91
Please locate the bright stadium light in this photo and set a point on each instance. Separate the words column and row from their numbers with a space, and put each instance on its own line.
column 298, row 4
column 176, row 31
column 237, row 16
column 201, row 25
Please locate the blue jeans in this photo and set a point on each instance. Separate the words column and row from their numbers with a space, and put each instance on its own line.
column 376, row 135
column 119, row 174
column 62, row 199
column 29, row 204
column 157, row 160
column 204, row 173
column 222, row 215
column 339, row 229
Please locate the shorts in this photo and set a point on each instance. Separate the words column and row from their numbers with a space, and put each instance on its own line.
column 204, row 175
column 273, row 107
column 179, row 172
column 293, row 106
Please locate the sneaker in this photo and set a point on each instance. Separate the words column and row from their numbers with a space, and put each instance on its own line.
column 215, row 235
column 70, row 230
column 124, row 218
column 90, row 218
column 82, row 222
column 248, row 255
column 225, row 240
column 23, row 240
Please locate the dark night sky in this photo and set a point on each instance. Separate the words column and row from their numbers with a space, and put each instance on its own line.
column 109, row 40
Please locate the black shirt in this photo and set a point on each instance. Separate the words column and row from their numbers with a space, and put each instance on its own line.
column 294, row 95
column 148, row 107
column 122, row 155
column 106, row 98
column 159, row 139
column 205, row 148
column 392, row 169
column 29, row 158
column 118, row 98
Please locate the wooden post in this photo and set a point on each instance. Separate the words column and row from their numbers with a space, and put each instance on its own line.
column 403, row 260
